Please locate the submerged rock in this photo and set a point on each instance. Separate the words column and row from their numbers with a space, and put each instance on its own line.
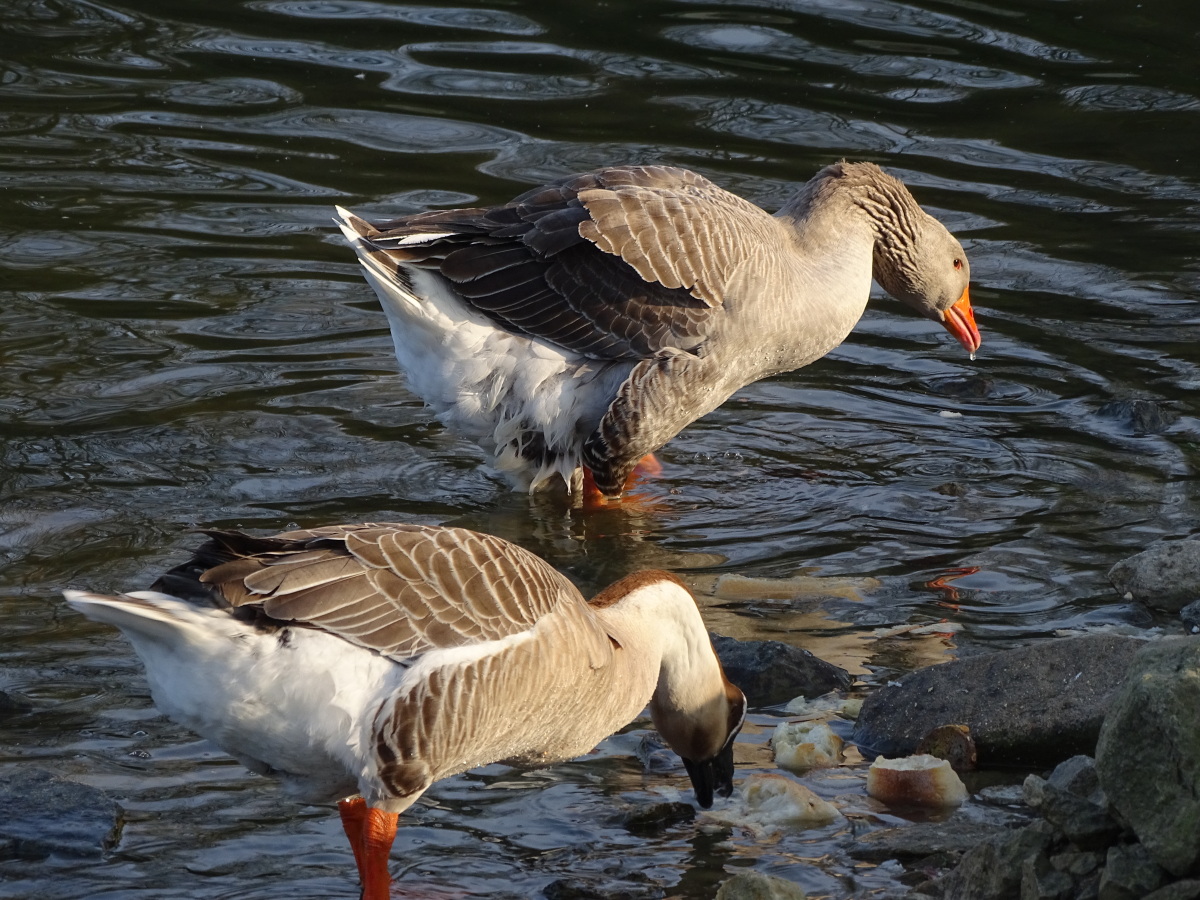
column 1139, row 415
column 45, row 814
column 1148, row 755
column 570, row 889
column 656, row 818
column 909, row 843
column 13, row 705
column 771, row 672
column 1036, row 704
column 757, row 886
column 1165, row 576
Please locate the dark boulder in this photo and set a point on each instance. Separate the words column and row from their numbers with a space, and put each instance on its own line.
column 771, row 672
column 1033, row 705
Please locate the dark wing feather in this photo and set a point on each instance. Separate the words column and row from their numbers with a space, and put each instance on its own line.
column 621, row 263
column 398, row 589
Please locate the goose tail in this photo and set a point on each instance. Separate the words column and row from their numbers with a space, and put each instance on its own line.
column 158, row 617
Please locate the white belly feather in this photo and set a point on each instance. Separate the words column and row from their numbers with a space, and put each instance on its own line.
column 289, row 701
column 490, row 385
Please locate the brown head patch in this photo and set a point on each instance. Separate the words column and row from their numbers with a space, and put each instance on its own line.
column 630, row 583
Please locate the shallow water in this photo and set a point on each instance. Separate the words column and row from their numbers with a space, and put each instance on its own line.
column 186, row 343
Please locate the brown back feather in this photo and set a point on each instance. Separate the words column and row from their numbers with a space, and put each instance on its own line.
column 398, row 589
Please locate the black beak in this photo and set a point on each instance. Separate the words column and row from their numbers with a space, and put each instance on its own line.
column 712, row 775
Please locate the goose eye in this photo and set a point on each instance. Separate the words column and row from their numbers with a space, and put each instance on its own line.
column 958, row 263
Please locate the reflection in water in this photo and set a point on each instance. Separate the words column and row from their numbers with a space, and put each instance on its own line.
column 186, row 344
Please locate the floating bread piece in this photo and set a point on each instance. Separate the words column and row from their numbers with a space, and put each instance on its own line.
column 741, row 587
column 824, row 706
column 922, row 780
column 765, row 802
column 803, row 745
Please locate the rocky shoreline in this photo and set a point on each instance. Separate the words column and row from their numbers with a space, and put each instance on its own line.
column 1120, row 826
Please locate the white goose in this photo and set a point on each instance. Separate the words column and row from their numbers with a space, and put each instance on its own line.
column 581, row 326
column 362, row 663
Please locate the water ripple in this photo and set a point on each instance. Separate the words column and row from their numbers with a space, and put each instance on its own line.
column 491, row 20
column 902, row 18
column 765, row 42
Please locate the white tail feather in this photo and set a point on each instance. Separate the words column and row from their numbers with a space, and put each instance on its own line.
column 159, row 617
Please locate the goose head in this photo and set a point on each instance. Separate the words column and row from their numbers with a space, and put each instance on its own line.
column 696, row 709
column 703, row 737
column 924, row 267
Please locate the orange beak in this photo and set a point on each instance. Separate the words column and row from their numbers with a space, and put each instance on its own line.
column 959, row 320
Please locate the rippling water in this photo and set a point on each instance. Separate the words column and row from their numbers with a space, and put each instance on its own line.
column 186, row 343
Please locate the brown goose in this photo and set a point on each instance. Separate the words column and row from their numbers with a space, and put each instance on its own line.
column 362, row 663
column 587, row 322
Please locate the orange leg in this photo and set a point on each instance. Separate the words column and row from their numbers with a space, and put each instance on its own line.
column 354, row 813
column 371, row 833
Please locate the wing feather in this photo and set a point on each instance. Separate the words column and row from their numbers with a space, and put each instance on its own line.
column 621, row 263
column 398, row 589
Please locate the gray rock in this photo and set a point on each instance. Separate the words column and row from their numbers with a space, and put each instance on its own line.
column 1077, row 863
column 1010, row 795
column 1165, row 576
column 1041, row 881
column 1148, row 755
column 912, row 842
column 1189, row 889
column 1076, row 775
column 770, row 672
column 1088, row 888
column 1037, row 704
column 994, row 869
column 1033, row 790
column 1129, row 873
column 45, row 814
column 757, row 886
column 1190, row 615
column 1085, row 824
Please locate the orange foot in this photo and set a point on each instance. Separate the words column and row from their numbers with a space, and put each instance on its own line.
column 647, row 467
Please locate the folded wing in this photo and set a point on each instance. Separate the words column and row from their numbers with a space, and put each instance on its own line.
column 398, row 589
column 621, row 263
